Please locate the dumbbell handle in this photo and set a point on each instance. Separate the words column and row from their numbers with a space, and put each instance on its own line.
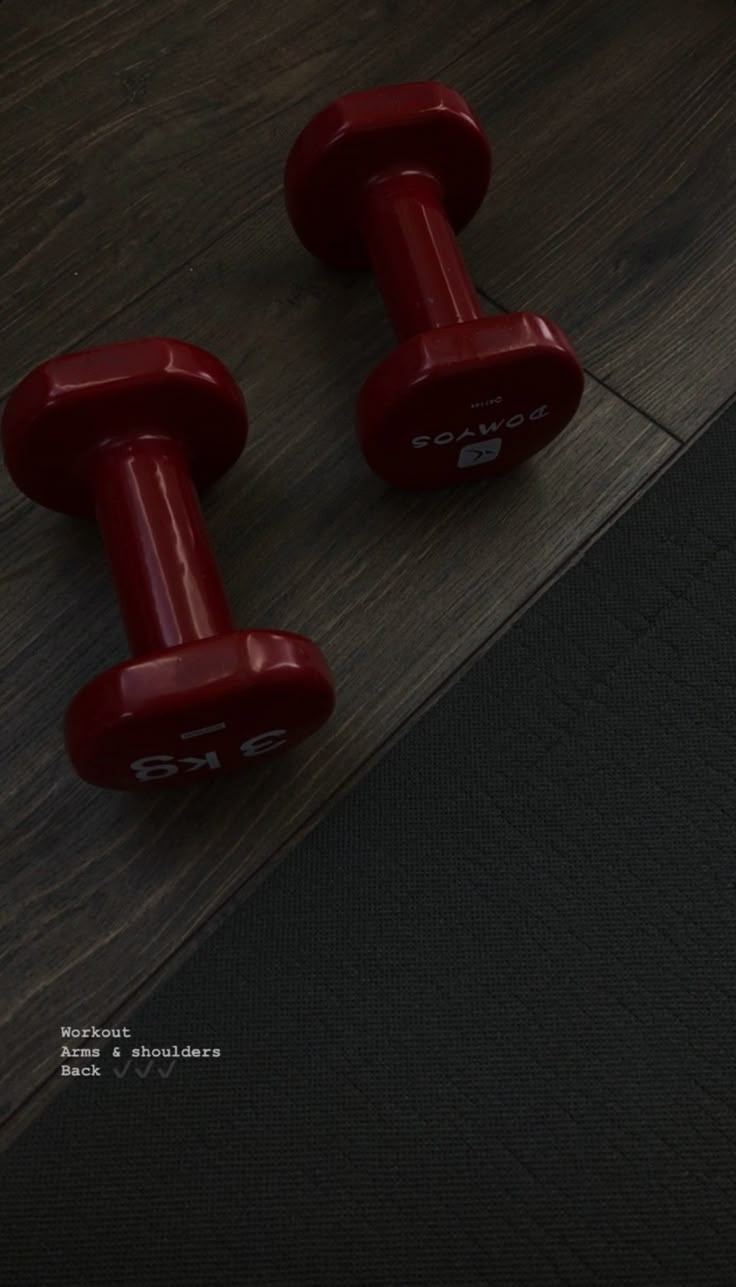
column 162, row 563
column 420, row 271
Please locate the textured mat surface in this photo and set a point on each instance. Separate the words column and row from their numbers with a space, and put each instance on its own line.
column 479, row 1027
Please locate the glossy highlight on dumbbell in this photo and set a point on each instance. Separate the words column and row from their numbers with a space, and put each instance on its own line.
column 386, row 178
column 128, row 433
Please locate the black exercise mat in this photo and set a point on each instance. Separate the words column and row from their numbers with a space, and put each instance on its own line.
column 479, row 1027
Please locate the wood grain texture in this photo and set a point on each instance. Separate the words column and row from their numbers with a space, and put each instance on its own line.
column 614, row 202
column 142, row 132
column 142, row 172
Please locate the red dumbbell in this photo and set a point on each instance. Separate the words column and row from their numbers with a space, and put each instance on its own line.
column 125, row 432
column 384, row 177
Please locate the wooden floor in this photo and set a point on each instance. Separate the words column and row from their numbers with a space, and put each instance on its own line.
column 141, row 180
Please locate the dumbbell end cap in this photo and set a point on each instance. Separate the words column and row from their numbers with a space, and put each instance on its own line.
column 424, row 126
column 463, row 402
column 189, row 714
column 71, row 405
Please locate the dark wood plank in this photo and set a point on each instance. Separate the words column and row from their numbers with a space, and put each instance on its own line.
column 613, row 203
